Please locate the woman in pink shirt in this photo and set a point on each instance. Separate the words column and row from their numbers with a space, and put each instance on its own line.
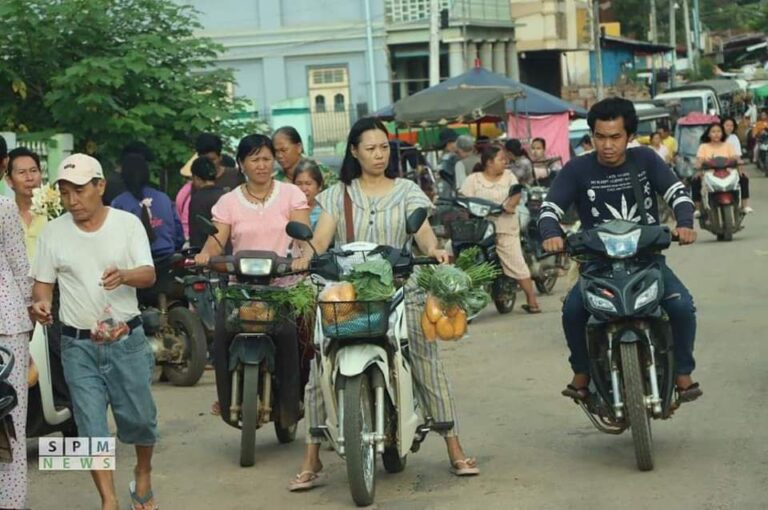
column 253, row 216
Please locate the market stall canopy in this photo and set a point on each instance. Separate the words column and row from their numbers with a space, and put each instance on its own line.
column 463, row 104
column 534, row 102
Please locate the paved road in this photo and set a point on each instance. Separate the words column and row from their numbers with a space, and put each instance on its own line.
column 536, row 449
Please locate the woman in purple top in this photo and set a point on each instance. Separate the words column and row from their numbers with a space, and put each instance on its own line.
column 15, row 298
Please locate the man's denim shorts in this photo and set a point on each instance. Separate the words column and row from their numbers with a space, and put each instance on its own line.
column 118, row 374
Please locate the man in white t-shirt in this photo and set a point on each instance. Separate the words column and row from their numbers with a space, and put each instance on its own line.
column 99, row 256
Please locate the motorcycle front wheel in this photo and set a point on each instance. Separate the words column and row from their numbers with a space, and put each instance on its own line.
column 250, row 415
column 359, row 449
column 634, row 403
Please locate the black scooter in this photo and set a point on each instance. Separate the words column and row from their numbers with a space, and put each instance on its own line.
column 628, row 335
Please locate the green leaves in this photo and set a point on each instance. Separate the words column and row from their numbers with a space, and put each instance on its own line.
column 109, row 71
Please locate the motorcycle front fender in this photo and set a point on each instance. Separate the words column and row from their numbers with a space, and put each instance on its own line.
column 630, row 336
column 355, row 359
column 252, row 350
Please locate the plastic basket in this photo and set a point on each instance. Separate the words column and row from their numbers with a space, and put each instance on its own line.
column 354, row 319
column 467, row 231
column 249, row 316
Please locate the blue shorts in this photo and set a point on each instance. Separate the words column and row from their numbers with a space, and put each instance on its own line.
column 117, row 374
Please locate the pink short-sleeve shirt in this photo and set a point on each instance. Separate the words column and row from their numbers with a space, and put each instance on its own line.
column 256, row 226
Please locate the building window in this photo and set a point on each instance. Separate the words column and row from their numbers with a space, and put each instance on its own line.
column 338, row 103
column 328, row 76
column 320, row 104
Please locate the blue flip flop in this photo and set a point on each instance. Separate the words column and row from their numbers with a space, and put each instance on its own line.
column 136, row 499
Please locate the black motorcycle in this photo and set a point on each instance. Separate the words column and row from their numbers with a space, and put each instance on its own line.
column 544, row 267
column 629, row 338
column 175, row 332
column 257, row 364
column 475, row 228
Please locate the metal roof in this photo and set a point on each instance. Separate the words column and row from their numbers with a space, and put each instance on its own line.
column 719, row 86
column 639, row 46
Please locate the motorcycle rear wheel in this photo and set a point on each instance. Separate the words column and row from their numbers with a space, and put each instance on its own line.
column 504, row 295
column 634, row 404
column 547, row 284
column 285, row 434
column 250, row 415
column 360, row 452
column 187, row 326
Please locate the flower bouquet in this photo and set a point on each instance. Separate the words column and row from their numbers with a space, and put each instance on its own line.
column 46, row 200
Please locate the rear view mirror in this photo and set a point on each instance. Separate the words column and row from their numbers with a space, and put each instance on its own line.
column 415, row 220
column 209, row 228
column 298, row 230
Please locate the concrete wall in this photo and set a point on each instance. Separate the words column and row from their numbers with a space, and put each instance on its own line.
column 271, row 44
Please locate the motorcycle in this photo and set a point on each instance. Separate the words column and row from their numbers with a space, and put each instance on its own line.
column 175, row 332
column 478, row 230
column 629, row 338
column 721, row 198
column 544, row 267
column 256, row 325
column 364, row 367
column 762, row 152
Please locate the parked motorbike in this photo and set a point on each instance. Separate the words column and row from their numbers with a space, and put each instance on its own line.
column 48, row 410
column 364, row 367
column 721, row 198
column 762, row 152
column 544, row 267
column 256, row 325
column 175, row 332
column 629, row 338
column 478, row 230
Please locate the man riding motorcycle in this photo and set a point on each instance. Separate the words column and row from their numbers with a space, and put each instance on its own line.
column 604, row 186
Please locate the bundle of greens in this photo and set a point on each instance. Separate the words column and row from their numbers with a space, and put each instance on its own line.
column 296, row 301
column 373, row 280
column 454, row 291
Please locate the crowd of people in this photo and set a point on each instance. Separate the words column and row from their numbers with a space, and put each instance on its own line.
column 126, row 230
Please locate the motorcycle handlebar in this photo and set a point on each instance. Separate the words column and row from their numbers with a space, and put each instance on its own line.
column 425, row 261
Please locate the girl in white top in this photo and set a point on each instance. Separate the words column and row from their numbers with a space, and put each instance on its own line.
column 731, row 138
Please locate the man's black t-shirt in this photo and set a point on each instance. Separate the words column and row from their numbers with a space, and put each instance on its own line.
column 603, row 193
column 201, row 203
column 230, row 179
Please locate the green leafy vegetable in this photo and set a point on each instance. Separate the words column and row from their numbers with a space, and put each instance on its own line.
column 373, row 280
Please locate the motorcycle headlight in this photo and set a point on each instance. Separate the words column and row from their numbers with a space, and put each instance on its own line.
column 256, row 267
column 620, row 246
column 600, row 303
column 647, row 296
column 479, row 210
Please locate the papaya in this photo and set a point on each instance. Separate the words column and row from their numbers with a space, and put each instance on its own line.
column 434, row 309
column 430, row 332
column 459, row 323
column 445, row 328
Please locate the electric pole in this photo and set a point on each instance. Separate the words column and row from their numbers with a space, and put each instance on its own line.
column 597, row 36
column 434, row 42
column 688, row 42
column 673, row 41
column 654, row 26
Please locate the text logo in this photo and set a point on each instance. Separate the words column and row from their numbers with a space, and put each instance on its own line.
column 77, row 453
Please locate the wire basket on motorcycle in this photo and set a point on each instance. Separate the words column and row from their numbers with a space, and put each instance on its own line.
column 472, row 230
column 355, row 319
column 248, row 312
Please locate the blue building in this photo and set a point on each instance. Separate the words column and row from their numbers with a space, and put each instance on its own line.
column 621, row 56
column 308, row 56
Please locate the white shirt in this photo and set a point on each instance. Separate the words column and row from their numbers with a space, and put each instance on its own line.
column 78, row 259
column 662, row 151
column 734, row 142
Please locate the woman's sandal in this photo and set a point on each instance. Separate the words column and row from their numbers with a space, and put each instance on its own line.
column 689, row 394
column 575, row 393
column 465, row 467
column 530, row 309
column 216, row 409
column 313, row 480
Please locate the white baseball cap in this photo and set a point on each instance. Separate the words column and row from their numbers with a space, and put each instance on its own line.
column 80, row 169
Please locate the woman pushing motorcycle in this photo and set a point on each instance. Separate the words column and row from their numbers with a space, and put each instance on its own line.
column 253, row 216
column 492, row 181
column 376, row 204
